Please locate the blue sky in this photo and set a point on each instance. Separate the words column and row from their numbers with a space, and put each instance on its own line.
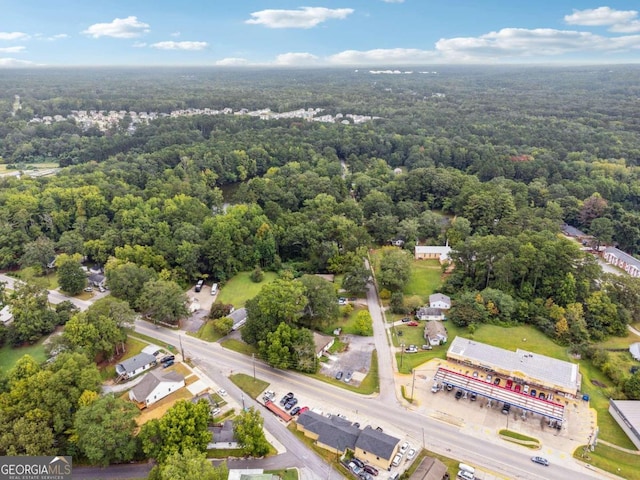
column 359, row 33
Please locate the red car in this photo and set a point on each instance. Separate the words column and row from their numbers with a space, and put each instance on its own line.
column 413, row 324
column 509, row 384
column 517, row 389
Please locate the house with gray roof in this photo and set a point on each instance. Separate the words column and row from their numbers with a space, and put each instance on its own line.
column 440, row 300
column 155, row 386
column 133, row 366
column 239, row 318
column 376, row 447
column 634, row 350
column 622, row 260
column 428, row 313
column 627, row 414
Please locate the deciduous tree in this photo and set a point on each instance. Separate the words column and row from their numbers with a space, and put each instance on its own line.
column 248, row 429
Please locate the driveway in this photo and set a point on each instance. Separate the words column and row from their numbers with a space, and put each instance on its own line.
column 203, row 301
column 356, row 358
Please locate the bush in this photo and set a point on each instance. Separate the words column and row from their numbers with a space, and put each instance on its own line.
column 385, row 294
column 257, row 275
column 219, row 310
column 346, row 310
column 223, row 325
column 397, row 303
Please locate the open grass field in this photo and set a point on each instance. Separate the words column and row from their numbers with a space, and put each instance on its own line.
column 238, row 346
column 206, row 333
column 240, row 288
column 10, row 355
column 253, row 387
column 347, row 324
column 290, row 474
column 624, row 465
column 426, row 278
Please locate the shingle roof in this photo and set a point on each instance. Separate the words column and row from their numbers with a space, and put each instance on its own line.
column 439, row 297
column 377, row 442
column 434, row 328
column 634, row 349
column 556, row 372
column 572, row 231
column 132, row 364
column 238, row 315
column 335, row 432
column 151, row 380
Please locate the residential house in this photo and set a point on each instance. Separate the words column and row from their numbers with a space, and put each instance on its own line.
column 331, row 433
column 322, row 342
column 634, row 350
column 439, row 300
column 376, row 448
column 429, row 252
column 428, row 313
column 223, row 436
column 155, row 386
column 337, row 434
column 239, row 318
column 131, row 367
column 6, row 317
column 435, row 333
column 430, row 469
column 96, row 279
column 622, row 260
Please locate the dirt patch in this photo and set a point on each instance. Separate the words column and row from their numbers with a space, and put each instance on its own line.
column 598, row 384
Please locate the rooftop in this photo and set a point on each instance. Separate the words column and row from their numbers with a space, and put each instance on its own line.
column 334, row 431
column 151, row 380
column 379, row 443
column 130, row 365
column 628, row 259
column 564, row 375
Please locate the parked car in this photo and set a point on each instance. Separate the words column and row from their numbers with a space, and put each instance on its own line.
column 427, row 347
column 405, row 320
column 364, row 475
column 167, row 364
column 358, row 462
column 413, row 323
column 348, row 377
column 517, row 389
column 295, row 411
column 222, row 392
column 475, row 374
column 489, row 378
column 342, row 301
column 339, row 375
column 291, row 403
column 88, row 289
column 269, row 394
column 411, row 453
column 449, row 387
column 540, row 460
column 473, row 397
column 168, row 358
column 496, row 381
column 404, row 447
column 215, row 411
column 371, row 470
column 525, row 389
column 199, row 285
column 214, row 289
column 396, row 460
column 509, row 384
column 533, row 392
column 458, row 394
column 435, row 388
column 102, row 289
column 541, row 396
column 506, row 408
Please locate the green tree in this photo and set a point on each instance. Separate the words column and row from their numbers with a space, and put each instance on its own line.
column 632, row 386
column 126, row 279
column 289, row 347
column 222, row 325
column 71, row 242
column 105, row 430
column 188, row 465
column 71, row 278
column 248, row 429
column 321, row 307
column 467, row 309
column 602, row 229
column 395, row 269
column 364, row 324
column 183, row 427
column 38, row 253
column 163, row 301
column 32, row 315
column 356, row 278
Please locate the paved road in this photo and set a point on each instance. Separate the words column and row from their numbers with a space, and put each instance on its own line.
column 506, row 460
column 55, row 296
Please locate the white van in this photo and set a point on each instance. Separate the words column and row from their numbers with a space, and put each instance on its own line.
column 214, row 289
column 466, row 468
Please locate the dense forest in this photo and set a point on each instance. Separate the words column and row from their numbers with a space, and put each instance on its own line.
column 491, row 160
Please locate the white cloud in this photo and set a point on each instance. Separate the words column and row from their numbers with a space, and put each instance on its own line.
column 384, row 56
column 296, row 59
column 58, row 36
column 232, row 61
column 393, row 1
column 16, row 49
column 13, row 36
column 304, row 17
column 171, row 45
column 593, row 17
column 537, row 42
column 628, row 27
column 139, row 44
column 14, row 62
column 175, row 34
column 129, row 27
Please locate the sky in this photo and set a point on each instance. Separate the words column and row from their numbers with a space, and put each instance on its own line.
column 329, row 33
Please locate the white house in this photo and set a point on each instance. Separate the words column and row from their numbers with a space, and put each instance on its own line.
column 155, row 386
column 426, row 252
column 133, row 366
column 322, row 342
column 428, row 313
column 435, row 333
column 622, row 260
column 438, row 300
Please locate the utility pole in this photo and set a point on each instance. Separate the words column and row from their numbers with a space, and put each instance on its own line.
column 181, row 348
column 253, row 359
column 401, row 353
column 413, row 383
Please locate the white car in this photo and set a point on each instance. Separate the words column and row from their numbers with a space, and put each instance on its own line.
column 222, row 392
column 396, row 460
column 215, row 412
column 411, row 454
column 403, row 448
column 214, row 289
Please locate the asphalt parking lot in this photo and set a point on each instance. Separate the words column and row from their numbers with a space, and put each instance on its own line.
column 356, row 358
column 203, row 301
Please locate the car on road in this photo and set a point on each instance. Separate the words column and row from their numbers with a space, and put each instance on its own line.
column 540, row 460
column 413, row 323
column 339, row 375
column 405, row 320
column 348, row 377
column 222, row 392
column 396, row 460
column 458, row 394
column 411, row 453
column 371, row 470
column 404, row 447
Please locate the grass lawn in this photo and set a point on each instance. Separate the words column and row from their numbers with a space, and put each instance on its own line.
column 238, row 346
column 426, row 278
column 207, row 333
column 620, row 463
column 10, row 355
column 240, row 288
column 225, row 452
column 154, row 341
column 520, row 439
column 158, row 409
column 409, row 335
column 620, row 342
column 133, row 347
column 32, row 275
column 348, row 325
column 253, row 387
column 289, row 474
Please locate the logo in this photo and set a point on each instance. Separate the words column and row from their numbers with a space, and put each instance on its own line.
column 35, row 468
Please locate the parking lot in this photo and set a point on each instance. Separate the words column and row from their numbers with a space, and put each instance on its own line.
column 356, row 358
